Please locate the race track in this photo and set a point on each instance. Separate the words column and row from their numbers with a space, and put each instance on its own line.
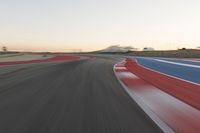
column 80, row 96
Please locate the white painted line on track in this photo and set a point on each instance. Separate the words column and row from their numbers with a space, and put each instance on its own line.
column 176, row 63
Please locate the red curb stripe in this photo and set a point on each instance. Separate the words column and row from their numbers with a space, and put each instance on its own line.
column 123, row 78
column 53, row 59
column 178, row 115
column 185, row 91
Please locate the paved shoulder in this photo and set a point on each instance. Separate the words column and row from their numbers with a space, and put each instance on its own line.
column 179, row 69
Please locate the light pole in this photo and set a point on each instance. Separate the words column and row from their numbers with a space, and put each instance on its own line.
column 4, row 48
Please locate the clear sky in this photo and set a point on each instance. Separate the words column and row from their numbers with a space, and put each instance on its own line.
column 65, row 25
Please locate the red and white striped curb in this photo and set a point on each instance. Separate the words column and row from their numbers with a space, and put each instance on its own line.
column 168, row 112
column 58, row 58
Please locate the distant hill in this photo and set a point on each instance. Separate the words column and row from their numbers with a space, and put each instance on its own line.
column 117, row 49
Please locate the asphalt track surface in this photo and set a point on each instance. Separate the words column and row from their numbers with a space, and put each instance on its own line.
column 189, row 72
column 81, row 96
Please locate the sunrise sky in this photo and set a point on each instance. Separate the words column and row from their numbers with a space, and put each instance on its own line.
column 70, row 25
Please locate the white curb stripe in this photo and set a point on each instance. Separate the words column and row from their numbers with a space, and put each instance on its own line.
column 164, row 127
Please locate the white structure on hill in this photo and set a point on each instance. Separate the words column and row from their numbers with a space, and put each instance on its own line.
column 117, row 48
column 148, row 49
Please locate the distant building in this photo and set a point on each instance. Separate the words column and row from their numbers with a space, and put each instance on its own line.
column 148, row 49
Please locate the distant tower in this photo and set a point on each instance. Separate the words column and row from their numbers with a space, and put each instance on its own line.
column 4, row 49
